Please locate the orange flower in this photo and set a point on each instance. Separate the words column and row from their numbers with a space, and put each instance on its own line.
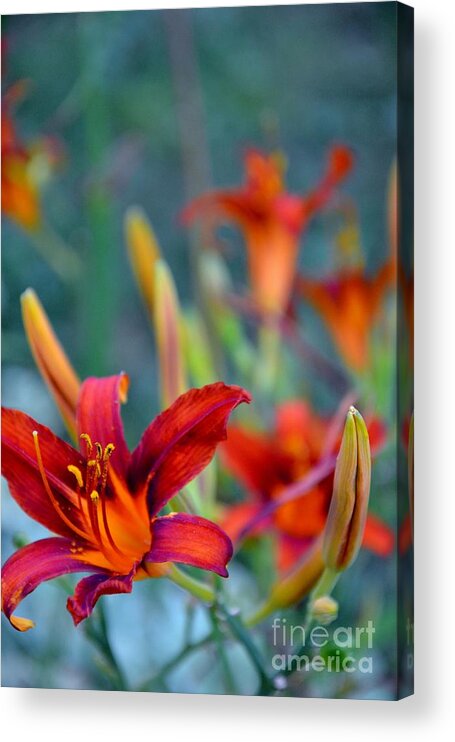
column 271, row 219
column 20, row 197
column 349, row 303
column 267, row 463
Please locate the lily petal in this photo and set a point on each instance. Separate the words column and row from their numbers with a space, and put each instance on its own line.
column 190, row 539
column 33, row 564
column 182, row 440
column 98, row 415
column 88, row 590
column 20, row 469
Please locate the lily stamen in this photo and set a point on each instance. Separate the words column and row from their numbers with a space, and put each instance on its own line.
column 107, row 453
column 95, row 484
column 93, row 501
column 88, row 443
column 50, row 494
column 76, row 472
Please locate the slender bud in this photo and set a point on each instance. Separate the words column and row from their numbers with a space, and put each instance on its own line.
column 324, row 610
column 51, row 359
column 169, row 335
column 143, row 251
column 345, row 525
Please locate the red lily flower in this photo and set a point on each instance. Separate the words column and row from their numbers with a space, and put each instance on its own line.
column 268, row 462
column 349, row 303
column 271, row 219
column 103, row 502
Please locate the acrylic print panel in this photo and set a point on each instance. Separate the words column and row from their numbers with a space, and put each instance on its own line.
column 207, row 430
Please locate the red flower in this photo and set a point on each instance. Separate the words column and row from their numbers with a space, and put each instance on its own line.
column 271, row 219
column 103, row 502
column 268, row 462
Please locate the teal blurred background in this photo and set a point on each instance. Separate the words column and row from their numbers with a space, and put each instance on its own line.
column 112, row 88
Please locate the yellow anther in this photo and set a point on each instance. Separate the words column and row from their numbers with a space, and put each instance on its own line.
column 108, row 451
column 77, row 473
column 99, row 450
column 94, row 496
column 88, row 441
column 92, row 463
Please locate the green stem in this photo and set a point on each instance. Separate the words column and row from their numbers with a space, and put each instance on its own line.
column 195, row 587
column 239, row 631
column 100, row 284
column 269, row 342
column 326, row 583
column 96, row 630
column 260, row 613
column 219, row 639
column 150, row 684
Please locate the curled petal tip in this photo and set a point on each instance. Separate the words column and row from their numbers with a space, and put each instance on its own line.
column 22, row 624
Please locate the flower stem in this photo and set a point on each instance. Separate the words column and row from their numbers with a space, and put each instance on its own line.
column 269, row 342
column 96, row 630
column 153, row 682
column 219, row 640
column 239, row 632
column 325, row 585
column 264, row 610
column 195, row 587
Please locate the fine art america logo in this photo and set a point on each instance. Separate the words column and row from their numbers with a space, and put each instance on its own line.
column 322, row 649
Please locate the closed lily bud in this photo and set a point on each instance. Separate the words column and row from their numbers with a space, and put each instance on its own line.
column 50, row 358
column 169, row 335
column 324, row 610
column 143, row 251
column 345, row 525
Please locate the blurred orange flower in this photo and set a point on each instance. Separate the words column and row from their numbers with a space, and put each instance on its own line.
column 349, row 302
column 266, row 463
column 271, row 219
column 20, row 197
